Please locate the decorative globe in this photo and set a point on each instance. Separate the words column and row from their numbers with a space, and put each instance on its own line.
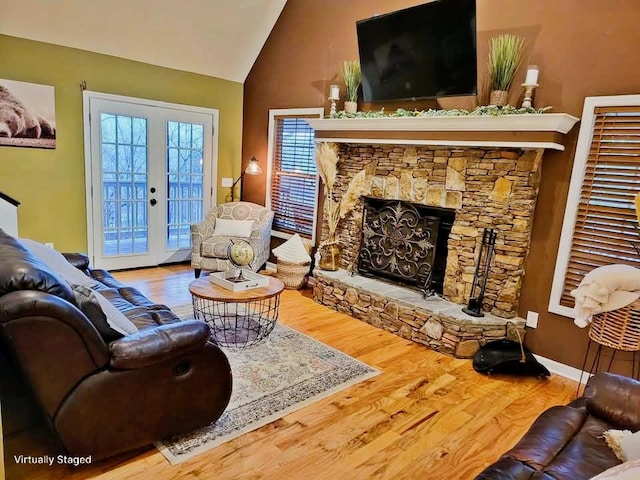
column 240, row 253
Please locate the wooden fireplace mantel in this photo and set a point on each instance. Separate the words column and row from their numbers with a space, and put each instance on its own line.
column 527, row 131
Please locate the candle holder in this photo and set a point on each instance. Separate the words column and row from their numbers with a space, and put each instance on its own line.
column 530, row 83
column 528, row 94
column 334, row 96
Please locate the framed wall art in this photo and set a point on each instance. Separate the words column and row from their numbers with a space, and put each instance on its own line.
column 27, row 115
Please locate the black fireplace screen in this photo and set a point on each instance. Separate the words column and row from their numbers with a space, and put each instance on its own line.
column 398, row 241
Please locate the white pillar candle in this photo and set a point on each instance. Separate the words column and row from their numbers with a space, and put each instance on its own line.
column 532, row 75
column 334, row 92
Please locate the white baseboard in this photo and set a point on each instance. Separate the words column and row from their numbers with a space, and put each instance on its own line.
column 563, row 370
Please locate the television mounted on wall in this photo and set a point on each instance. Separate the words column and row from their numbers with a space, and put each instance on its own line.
column 426, row 51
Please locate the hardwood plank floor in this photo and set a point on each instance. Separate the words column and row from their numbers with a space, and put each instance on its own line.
column 427, row 416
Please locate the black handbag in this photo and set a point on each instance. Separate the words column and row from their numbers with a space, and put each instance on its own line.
column 509, row 357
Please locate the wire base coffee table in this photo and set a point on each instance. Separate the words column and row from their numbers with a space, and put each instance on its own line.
column 236, row 319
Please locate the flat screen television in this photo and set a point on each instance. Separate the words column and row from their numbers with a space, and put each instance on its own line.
column 427, row 51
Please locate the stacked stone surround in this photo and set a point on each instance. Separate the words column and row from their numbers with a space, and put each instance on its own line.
column 487, row 187
column 434, row 322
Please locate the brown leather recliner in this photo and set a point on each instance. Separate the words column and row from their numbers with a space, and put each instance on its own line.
column 565, row 442
column 101, row 399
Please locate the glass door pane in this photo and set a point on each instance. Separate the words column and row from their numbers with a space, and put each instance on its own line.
column 123, row 159
column 185, row 181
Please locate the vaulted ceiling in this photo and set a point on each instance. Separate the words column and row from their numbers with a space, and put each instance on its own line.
column 219, row 38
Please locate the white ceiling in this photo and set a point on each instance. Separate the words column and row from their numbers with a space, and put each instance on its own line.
column 219, row 38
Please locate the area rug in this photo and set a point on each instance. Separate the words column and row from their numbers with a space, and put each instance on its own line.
column 284, row 373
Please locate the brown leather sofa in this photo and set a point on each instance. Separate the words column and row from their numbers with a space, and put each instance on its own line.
column 104, row 397
column 565, row 442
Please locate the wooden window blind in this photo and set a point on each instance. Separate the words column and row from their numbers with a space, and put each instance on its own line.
column 294, row 177
column 605, row 230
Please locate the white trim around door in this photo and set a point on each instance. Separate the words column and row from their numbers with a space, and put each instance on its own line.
column 159, row 116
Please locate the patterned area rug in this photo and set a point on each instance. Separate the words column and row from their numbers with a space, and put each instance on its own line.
column 286, row 372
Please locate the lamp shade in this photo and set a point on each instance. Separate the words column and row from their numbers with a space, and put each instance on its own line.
column 253, row 168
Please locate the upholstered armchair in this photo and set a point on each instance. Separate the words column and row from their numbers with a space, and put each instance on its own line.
column 209, row 250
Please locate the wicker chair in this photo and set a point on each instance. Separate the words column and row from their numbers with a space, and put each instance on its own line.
column 618, row 330
column 209, row 251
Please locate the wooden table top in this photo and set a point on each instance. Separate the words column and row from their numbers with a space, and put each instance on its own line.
column 205, row 288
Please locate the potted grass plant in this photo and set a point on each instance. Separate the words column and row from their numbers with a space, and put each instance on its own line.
column 352, row 80
column 505, row 56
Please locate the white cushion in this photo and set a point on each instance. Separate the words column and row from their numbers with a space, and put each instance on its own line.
column 292, row 251
column 233, row 228
column 625, row 445
column 625, row 471
column 110, row 327
column 56, row 262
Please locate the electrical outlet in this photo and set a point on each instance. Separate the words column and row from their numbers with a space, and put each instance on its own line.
column 49, row 244
column 227, row 182
column 532, row 319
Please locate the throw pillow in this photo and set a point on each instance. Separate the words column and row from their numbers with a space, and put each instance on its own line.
column 87, row 303
column 56, row 262
column 113, row 317
column 624, row 471
column 233, row 228
column 625, row 445
column 293, row 251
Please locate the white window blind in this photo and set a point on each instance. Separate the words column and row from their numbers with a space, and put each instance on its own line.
column 293, row 179
column 600, row 226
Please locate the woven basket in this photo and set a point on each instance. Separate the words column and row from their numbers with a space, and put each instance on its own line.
column 293, row 275
column 619, row 329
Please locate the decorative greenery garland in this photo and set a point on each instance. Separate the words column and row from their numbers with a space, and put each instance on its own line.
column 485, row 110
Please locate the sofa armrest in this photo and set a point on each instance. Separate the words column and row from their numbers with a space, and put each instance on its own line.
column 56, row 345
column 614, row 398
column 155, row 345
column 507, row 469
column 260, row 232
column 203, row 229
column 199, row 232
column 117, row 410
column 78, row 260
column 260, row 240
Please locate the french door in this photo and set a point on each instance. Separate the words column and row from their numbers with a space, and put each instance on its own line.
column 149, row 177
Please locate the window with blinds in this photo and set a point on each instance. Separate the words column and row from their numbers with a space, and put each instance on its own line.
column 605, row 227
column 294, row 180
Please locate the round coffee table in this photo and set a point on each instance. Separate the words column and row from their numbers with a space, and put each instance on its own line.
column 236, row 319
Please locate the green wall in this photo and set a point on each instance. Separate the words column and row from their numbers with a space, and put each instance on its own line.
column 50, row 183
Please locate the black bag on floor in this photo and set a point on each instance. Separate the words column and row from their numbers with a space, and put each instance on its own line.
column 507, row 356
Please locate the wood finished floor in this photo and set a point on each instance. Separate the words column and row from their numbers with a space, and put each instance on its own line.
column 427, row 416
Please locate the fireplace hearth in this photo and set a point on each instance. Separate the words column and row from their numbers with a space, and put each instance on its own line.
column 405, row 242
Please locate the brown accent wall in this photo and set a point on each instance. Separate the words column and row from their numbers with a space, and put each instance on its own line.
column 583, row 47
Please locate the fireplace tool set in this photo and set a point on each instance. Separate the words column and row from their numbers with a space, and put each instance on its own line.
column 481, row 274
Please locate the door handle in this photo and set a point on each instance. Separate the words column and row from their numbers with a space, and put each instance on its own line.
column 153, row 201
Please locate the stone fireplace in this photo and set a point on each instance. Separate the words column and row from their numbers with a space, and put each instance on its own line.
column 485, row 187
column 480, row 183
